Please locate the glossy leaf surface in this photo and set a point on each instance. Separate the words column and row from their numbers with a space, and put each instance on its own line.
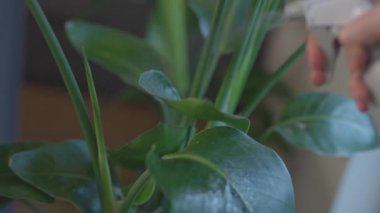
column 167, row 139
column 125, row 55
column 224, row 170
column 11, row 186
column 156, row 84
column 327, row 124
column 63, row 171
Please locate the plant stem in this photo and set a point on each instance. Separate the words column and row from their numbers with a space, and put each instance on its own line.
column 67, row 75
column 234, row 83
column 135, row 189
column 211, row 51
column 266, row 135
column 71, row 84
column 172, row 17
column 106, row 190
column 277, row 76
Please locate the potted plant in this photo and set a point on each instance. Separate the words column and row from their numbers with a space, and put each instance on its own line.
column 183, row 166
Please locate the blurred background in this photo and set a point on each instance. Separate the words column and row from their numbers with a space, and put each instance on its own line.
column 34, row 104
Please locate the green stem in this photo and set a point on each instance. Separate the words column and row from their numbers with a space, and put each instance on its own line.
column 72, row 87
column 67, row 75
column 266, row 135
column 235, row 81
column 106, row 188
column 126, row 204
column 172, row 15
column 211, row 51
column 277, row 76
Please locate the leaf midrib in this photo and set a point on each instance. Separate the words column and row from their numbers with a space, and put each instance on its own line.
column 210, row 165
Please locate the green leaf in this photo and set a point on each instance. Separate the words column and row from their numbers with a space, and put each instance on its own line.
column 327, row 124
column 224, row 170
column 104, row 181
column 4, row 202
column 167, row 138
column 61, row 170
column 146, row 192
column 66, row 73
column 119, row 52
column 138, row 193
column 157, row 84
column 168, row 34
column 213, row 47
column 271, row 82
column 204, row 9
column 204, row 110
column 155, row 36
column 235, row 80
column 257, row 81
column 11, row 186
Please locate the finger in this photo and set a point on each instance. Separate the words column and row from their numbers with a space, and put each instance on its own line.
column 364, row 30
column 360, row 92
column 316, row 60
column 357, row 59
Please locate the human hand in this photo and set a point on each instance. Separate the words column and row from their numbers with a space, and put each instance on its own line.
column 355, row 38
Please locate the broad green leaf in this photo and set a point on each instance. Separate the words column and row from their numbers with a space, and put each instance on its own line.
column 11, row 186
column 327, row 124
column 119, row 52
column 205, row 9
column 224, row 170
column 166, row 138
column 157, row 84
column 63, row 171
column 104, row 182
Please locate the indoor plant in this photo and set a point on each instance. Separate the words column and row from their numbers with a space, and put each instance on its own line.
column 184, row 167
